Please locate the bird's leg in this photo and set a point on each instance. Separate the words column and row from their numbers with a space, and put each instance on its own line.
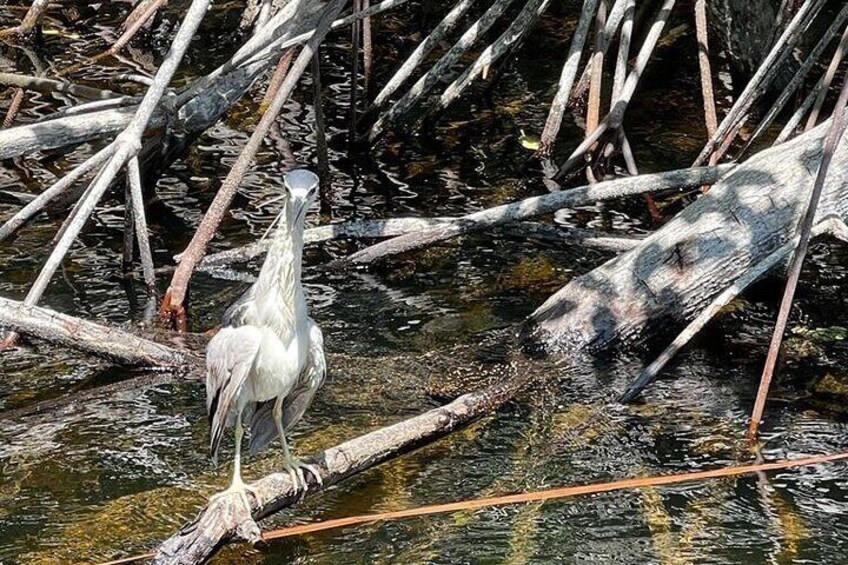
column 238, row 486
column 294, row 465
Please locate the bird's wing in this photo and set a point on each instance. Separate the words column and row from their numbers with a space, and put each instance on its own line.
column 229, row 356
column 311, row 379
column 262, row 427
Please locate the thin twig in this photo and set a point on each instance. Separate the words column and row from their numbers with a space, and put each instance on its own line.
column 614, row 118
column 566, row 79
column 47, row 85
column 593, row 110
column 710, row 118
column 536, row 205
column 824, row 84
column 834, row 135
column 277, row 78
column 354, row 73
column 367, row 51
column 616, row 14
column 518, row 28
column 14, row 107
column 129, row 233
column 140, row 219
column 172, row 309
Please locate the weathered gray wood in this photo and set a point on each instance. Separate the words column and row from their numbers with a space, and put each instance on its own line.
column 678, row 270
column 538, row 205
column 75, row 333
column 226, row 518
column 198, row 108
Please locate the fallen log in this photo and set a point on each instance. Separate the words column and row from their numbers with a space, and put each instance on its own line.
column 679, row 269
column 226, row 518
column 75, row 333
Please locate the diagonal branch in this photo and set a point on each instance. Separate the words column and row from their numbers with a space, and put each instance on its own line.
column 226, row 519
column 536, row 206
column 172, row 310
column 834, row 137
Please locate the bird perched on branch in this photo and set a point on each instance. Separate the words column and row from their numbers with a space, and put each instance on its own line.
column 266, row 363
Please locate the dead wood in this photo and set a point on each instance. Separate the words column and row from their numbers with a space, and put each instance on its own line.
column 75, row 333
column 679, row 269
column 538, row 205
column 227, row 519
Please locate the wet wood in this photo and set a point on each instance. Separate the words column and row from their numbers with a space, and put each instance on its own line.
column 227, row 518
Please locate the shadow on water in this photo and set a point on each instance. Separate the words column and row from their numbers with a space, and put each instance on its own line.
column 115, row 475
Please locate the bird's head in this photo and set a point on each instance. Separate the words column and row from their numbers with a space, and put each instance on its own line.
column 301, row 191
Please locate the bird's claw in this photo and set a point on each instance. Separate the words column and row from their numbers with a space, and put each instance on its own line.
column 241, row 489
column 296, row 468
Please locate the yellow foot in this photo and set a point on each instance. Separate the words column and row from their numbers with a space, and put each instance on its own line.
column 240, row 489
column 296, row 468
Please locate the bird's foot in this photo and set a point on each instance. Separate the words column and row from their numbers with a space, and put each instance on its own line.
column 239, row 488
column 296, row 468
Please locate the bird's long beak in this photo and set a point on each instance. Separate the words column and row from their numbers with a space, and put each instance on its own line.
column 301, row 185
column 301, row 207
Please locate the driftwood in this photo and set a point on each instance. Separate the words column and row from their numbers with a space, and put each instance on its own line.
column 393, row 227
column 538, row 205
column 110, row 343
column 678, row 270
column 831, row 226
column 226, row 516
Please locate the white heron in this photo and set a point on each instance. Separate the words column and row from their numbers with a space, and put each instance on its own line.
column 267, row 361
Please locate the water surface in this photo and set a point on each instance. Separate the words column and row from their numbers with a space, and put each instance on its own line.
column 112, row 477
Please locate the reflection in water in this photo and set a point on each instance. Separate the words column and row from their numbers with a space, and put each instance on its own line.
column 113, row 476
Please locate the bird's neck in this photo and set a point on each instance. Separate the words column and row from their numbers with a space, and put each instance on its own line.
column 279, row 281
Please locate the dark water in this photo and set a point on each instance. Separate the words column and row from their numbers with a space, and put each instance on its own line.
column 113, row 477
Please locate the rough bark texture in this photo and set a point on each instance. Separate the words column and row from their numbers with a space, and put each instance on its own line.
column 227, row 518
column 680, row 268
column 75, row 333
